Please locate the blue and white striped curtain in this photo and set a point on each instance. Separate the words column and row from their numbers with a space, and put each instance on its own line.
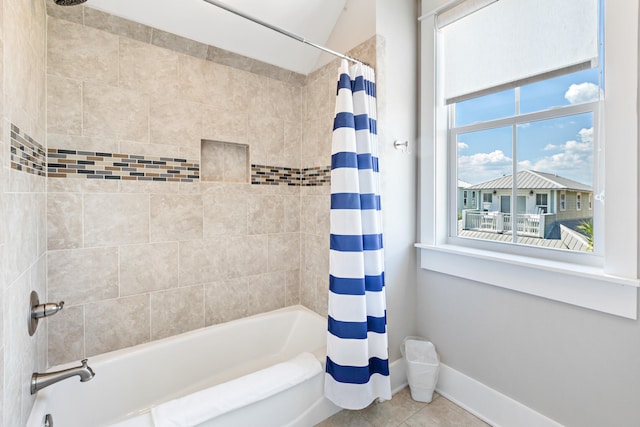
column 357, row 369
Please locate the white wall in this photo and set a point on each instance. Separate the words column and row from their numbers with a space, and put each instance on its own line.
column 576, row 366
column 396, row 23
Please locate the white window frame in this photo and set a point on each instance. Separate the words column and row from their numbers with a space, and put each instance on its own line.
column 578, row 201
column 605, row 282
column 562, row 202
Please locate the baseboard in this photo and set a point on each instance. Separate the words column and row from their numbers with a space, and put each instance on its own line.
column 398, row 375
column 486, row 403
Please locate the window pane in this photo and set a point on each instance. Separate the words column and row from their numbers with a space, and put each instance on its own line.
column 484, row 165
column 561, row 147
column 555, row 172
column 575, row 88
column 485, row 108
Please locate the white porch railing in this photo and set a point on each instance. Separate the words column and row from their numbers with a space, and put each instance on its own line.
column 499, row 222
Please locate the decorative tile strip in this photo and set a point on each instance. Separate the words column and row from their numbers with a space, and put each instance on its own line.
column 317, row 176
column 27, row 155
column 278, row 175
column 126, row 167
column 275, row 175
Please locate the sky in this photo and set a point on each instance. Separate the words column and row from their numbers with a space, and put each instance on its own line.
column 562, row 146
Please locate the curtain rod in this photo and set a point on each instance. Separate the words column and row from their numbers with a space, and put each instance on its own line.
column 296, row 37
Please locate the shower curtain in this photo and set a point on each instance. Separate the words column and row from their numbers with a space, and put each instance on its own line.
column 357, row 370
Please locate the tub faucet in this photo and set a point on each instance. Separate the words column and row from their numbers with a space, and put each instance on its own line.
column 40, row 381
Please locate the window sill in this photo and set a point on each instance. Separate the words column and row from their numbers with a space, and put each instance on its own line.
column 579, row 285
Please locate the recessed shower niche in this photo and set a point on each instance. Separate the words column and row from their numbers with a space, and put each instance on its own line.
column 224, row 161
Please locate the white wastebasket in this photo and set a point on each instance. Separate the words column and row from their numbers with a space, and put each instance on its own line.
column 422, row 367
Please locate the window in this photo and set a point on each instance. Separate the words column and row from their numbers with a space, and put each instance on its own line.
column 551, row 145
column 578, row 201
column 515, row 112
column 542, row 204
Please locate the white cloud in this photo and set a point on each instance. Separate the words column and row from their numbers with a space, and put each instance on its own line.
column 481, row 167
column 462, row 146
column 583, row 92
column 573, row 160
column 586, row 135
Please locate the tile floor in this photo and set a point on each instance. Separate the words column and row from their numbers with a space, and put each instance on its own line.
column 402, row 411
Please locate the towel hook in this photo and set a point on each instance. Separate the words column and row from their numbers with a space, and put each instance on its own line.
column 401, row 145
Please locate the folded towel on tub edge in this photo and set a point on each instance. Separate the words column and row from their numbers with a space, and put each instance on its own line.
column 206, row 404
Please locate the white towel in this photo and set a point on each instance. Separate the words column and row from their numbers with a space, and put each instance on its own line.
column 206, row 404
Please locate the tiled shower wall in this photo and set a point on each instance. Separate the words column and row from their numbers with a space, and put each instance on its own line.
column 137, row 256
column 22, row 200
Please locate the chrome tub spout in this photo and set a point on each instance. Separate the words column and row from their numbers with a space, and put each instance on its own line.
column 40, row 381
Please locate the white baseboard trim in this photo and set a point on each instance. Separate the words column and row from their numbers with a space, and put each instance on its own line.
column 398, row 375
column 486, row 403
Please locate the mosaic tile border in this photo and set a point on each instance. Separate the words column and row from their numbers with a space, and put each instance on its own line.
column 27, row 154
column 126, row 167
column 278, row 175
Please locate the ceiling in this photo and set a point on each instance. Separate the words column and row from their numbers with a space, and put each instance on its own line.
column 314, row 20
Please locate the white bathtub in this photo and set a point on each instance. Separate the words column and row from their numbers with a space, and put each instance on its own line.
column 129, row 382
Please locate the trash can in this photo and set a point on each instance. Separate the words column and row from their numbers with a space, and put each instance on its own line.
column 422, row 367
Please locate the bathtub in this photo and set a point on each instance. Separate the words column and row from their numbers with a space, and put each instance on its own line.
column 129, row 382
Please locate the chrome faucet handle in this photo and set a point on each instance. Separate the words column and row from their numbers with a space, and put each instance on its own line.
column 45, row 310
column 38, row 311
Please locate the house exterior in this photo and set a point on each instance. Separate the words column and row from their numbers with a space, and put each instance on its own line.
column 543, row 202
column 467, row 199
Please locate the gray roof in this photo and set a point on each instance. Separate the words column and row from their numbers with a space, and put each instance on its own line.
column 533, row 180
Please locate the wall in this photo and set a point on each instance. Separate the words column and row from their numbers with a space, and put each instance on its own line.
column 140, row 245
column 22, row 230
column 398, row 116
column 576, row 366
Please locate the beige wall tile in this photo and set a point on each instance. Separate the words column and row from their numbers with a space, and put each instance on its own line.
column 148, row 268
column 175, row 217
column 149, row 69
column 266, row 292
column 205, row 82
column 21, row 238
column 203, row 261
column 64, row 221
column 115, row 219
column 212, row 161
column 236, row 166
column 83, row 53
column 292, row 290
column 116, row 324
column 292, row 142
column 64, row 105
column 109, row 111
column 284, row 252
column 66, row 335
column 73, row 14
column 291, row 213
column 224, row 214
column 146, row 149
column 226, row 300
column 176, row 311
column 266, row 139
column 266, row 214
column 246, row 255
column 287, row 99
column 220, row 124
column 82, row 143
column 178, row 44
column 78, row 276
column 115, row 25
column 175, row 122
